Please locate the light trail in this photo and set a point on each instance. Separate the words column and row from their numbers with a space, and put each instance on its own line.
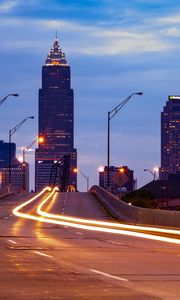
column 19, row 207
column 102, row 223
column 65, row 221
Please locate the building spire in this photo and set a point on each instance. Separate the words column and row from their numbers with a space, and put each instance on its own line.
column 56, row 56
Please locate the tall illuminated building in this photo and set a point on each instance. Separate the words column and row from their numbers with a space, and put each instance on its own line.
column 56, row 118
column 170, row 138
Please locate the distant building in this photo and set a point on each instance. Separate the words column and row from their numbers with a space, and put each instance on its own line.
column 19, row 171
column 56, row 119
column 4, row 153
column 121, row 179
column 170, row 138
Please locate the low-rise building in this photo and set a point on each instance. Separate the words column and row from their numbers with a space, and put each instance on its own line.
column 121, row 179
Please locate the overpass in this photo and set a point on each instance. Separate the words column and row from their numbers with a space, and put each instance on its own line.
column 51, row 257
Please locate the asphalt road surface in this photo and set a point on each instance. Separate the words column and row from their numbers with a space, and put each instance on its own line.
column 48, row 261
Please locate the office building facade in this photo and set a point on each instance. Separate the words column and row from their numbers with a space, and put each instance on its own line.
column 170, row 138
column 18, row 178
column 56, row 119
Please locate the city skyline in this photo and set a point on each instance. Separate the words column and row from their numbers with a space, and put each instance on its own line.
column 124, row 48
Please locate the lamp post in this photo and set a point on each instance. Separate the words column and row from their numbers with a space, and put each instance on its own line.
column 152, row 172
column 154, row 178
column 86, row 177
column 11, row 132
column 111, row 114
column 40, row 140
column 4, row 99
column 27, row 148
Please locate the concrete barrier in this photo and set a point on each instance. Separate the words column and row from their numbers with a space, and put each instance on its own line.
column 133, row 214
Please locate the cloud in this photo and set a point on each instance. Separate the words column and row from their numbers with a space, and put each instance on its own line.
column 85, row 39
column 173, row 19
column 172, row 31
column 7, row 6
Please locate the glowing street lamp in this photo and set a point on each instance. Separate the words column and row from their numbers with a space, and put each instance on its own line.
column 154, row 172
column 4, row 99
column 86, row 177
column 121, row 170
column 40, row 139
column 111, row 114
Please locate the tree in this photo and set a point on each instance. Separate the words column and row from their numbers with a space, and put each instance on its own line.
column 140, row 198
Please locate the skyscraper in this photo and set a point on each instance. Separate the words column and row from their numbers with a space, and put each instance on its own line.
column 170, row 138
column 56, row 118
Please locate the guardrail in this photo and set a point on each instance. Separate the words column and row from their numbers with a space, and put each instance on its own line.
column 134, row 214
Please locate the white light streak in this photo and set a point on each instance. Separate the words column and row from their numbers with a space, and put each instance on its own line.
column 108, row 275
column 11, row 241
column 42, row 254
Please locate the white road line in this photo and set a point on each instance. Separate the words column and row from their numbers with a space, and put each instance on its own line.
column 79, row 232
column 116, row 243
column 108, row 275
column 42, row 254
column 11, row 241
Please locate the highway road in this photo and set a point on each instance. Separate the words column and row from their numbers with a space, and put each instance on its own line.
column 40, row 260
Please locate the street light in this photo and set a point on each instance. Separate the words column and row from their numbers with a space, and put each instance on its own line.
column 86, row 177
column 111, row 114
column 11, row 132
column 155, row 170
column 40, row 140
column 4, row 99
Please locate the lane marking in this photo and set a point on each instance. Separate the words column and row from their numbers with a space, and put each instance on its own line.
column 42, row 254
column 79, row 232
column 11, row 241
column 108, row 275
column 116, row 243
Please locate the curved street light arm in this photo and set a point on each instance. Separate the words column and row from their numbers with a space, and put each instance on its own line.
column 86, row 177
column 27, row 148
column 153, row 173
column 119, row 106
column 111, row 114
column 3, row 99
column 12, row 131
column 83, row 174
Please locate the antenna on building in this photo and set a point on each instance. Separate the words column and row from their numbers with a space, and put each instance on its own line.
column 56, row 37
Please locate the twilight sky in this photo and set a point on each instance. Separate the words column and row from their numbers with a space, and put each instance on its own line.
column 114, row 48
